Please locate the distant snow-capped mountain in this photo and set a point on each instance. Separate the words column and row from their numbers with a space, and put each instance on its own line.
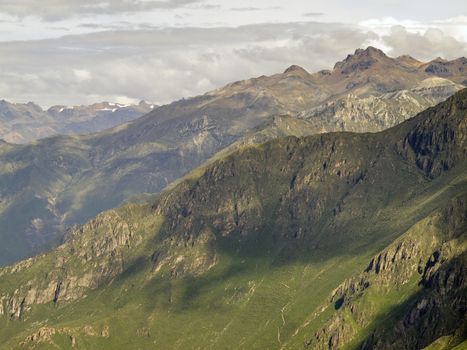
column 26, row 122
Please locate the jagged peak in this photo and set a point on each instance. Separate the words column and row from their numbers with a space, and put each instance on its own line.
column 361, row 59
column 370, row 51
column 296, row 70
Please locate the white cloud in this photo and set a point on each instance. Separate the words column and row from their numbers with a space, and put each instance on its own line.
column 162, row 65
column 82, row 75
column 432, row 43
column 54, row 10
column 455, row 27
column 446, row 38
column 163, row 50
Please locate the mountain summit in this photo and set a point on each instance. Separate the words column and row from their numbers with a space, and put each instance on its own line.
column 362, row 59
column 296, row 70
column 55, row 183
column 318, row 242
column 23, row 123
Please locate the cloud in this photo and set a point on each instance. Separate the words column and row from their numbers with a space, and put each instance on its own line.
column 455, row 27
column 432, row 43
column 424, row 40
column 165, row 64
column 161, row 65
column 55, row 10
column 313, row 14
column 82, row 75
column 248, row 9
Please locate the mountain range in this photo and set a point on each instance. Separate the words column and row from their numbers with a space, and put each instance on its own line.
column 329, row 241
column 27, row 122
column 52, row 184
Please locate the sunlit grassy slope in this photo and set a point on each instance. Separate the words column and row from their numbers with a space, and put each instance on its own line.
column 254, row 250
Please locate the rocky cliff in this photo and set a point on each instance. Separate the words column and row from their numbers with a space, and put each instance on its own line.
column 62, row 181
column 298, row 242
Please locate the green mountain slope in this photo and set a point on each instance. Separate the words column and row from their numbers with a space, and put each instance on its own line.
column 50, row 185
column 311, row 242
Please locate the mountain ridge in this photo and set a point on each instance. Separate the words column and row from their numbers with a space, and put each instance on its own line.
column 61, row 181
column 255, row 231
column 24, row 123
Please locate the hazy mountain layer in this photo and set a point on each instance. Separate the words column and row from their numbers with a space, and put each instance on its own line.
column 317, row 242
column 50, row 185
column 23, row 123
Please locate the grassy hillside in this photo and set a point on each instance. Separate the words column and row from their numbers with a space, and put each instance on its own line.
column 54, row 183
column 299, row 242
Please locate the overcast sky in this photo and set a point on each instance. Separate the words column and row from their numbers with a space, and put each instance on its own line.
column 83, row 51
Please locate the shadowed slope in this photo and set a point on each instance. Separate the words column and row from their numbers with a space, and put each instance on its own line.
column 247, row 254
column 55, row 183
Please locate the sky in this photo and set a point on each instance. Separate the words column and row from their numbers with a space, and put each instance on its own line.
column 57, row 52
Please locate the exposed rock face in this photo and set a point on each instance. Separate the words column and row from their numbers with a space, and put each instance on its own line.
column 445, row 68
column 62, row 181
column 43, row 335
column 362, row 60
column 433, row 254
column 279, row 214
column 94, row 253
column 441, row 305
column 46, row 335
column 435, row 149
column 439, row 311
column 376, row 113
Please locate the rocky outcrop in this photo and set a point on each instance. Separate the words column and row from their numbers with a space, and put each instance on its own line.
column 430, row 253
column 436, row 148
column 362, row 60
column 302, row 214
column 94, row 253
column 62, row 181
column 439, row 310
column 378, row 112
column 44, row 336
